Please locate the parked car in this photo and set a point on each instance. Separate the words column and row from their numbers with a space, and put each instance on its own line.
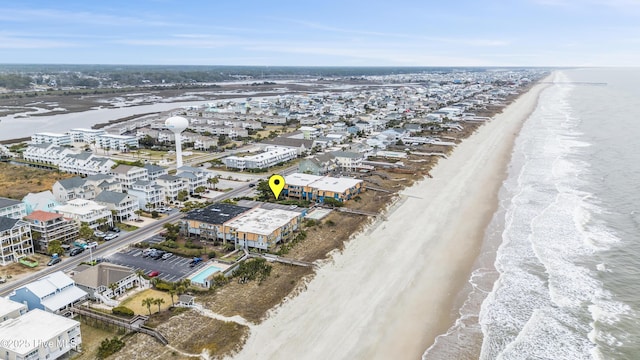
column 195, row 261
column 76, row 251
column 92, row 245
column 165, row 256
column 54, row 261
column 154, row 273
column 115, row 229
column 252, row 184
column 158, row 254
column 99, row 234
column 110, row 237
column 147, row 252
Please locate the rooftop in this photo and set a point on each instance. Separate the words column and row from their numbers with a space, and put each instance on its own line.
column 38, row 326
column 43, row 216
column 217, row 213
column 262, row 221
column 6, row 202
column 8, row 306
column 7, row 223
column 325, row 183
column 102, row 274
column 79, row 207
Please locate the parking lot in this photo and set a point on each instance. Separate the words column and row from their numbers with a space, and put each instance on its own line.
column 173, row 269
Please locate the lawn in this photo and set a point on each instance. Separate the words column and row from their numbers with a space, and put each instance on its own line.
column 135, row 302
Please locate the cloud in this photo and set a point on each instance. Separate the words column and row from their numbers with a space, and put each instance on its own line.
column 22, row 42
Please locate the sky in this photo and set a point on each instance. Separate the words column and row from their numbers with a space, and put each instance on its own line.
column 322, row 33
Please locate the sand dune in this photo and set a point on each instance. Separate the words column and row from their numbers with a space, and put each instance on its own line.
column 390, row 292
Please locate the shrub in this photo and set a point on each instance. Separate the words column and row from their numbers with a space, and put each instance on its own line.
column 154, row 214
column 330, row 223
column 122, row 310
column 109, row 347
column 212, row 254
column 162, row 286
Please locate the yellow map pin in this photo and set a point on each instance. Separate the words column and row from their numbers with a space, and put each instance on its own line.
column 276, row 183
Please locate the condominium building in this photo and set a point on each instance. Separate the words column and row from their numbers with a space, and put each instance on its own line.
column 273, row 155
column 46, row 153
column 116, row 142
column 86, row 163
column 261, row 228
column 171, row 186
column 10, row 309
column 318, row 188
column 154, row 171
column 148, row 193
column 39, row 335
column 15, row 240
column 48, row 226
column 87, row 211
column 127, row 175
column 85, row 135
column 124, row 205
column 192, row 177
column 14, row 209
column 51, row 138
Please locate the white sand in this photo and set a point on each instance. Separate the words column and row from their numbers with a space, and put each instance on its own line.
column 390, row 292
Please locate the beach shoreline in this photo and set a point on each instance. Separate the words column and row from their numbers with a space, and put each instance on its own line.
column 390, row 292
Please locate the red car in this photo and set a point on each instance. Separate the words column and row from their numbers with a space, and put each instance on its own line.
column 153, row 274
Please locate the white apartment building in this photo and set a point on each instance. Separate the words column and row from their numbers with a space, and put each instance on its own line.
column 48, row 226
column 12, row 208
column 46, row 153
column 149, row 194
column 15, row 240
column 192, row 177
column 116, row 142
column 85, row 135
column 127, row 175
column 57, row 139
column 10, row 309
column 154, row 171
column 87, row 211
column 86, row 163
column 171, row 186
column 39, row 335
column 124, row 205
column 271, row 157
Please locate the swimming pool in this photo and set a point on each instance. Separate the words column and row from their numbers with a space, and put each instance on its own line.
column 202, row 276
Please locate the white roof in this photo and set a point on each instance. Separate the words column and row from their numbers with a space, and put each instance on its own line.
column 262, row 221
column 52, row 134
column 67, row 296
column 49, row 284
column 325, row 183
column 32, row 329
column 79, row 207
column 300, row 179
column 8, row 306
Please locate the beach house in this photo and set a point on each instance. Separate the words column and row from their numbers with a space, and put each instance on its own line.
column 318, row 188
column 54, row 293
column 15, row 240
column 48, row 226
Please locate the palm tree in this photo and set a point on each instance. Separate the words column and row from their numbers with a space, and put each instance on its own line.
column 180, row 289
column 138, row 212
column 148, row 302
column 158, row 302
column 113, row 287
column 172, row 292
column 213, row 181
column 186, row 283
column 139, row 273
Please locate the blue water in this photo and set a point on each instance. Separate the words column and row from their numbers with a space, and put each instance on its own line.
column 202, row 275
column 558, row 274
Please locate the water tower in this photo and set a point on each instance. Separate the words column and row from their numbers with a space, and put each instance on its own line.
column 177, row 124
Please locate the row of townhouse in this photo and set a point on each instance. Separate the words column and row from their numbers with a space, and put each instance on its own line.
column 272, row 156
column 98, row 137
column 249, row 227
column 325, row 163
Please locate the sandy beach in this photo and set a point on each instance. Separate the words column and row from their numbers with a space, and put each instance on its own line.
column 390, row 292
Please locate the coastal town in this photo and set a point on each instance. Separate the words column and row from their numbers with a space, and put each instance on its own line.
column 149, row 228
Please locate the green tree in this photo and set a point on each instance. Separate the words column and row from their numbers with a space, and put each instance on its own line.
column 172, row 292
column 139, row 274
column 148, row 302
column 158, row 302
column 55, row 247
column 85, row 231
column 264, row 191
column 213, row 181
column 183, row 195
column 113, row 287
column 253, row 269
column 102, row 222
column 199, row 189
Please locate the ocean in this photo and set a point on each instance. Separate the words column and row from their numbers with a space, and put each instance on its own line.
column 559, row 270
